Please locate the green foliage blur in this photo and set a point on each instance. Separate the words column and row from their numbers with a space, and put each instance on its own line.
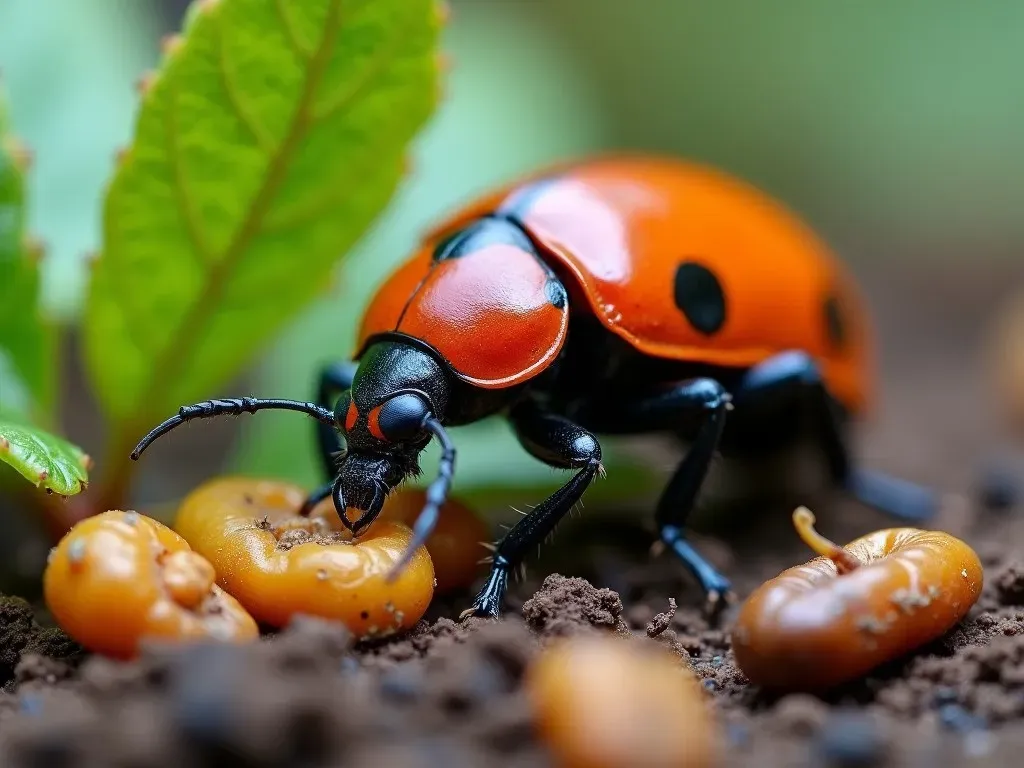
column 895, row 129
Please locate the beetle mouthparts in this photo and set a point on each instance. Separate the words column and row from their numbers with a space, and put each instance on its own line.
column 373, row 509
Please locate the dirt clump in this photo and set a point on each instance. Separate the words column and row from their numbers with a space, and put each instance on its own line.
column 564, row 606
column 23, row 638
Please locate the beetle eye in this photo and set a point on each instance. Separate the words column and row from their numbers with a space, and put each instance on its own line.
column 345, row 411
column 399, row 418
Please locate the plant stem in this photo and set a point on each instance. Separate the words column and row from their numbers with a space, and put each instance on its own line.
column 114, row 483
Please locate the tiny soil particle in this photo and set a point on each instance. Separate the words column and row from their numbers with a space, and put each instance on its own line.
column 910, row 600
column 662, row 621
column 293, row 537
column 1010, row 584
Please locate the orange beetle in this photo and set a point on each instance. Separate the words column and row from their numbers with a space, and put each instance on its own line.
column 619, row 295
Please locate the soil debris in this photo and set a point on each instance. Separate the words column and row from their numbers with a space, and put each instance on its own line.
column 21, row 635
column 565, row 606
column 662, row 621
column 293, row 537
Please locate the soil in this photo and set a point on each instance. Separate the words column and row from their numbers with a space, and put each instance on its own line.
column 451, row 694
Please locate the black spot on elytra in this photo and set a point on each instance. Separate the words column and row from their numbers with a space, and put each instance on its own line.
column 700, row 297
column 835, row 322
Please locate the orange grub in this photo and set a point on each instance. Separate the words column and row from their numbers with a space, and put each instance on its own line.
column 455, row 545
column 120, row 577
column 840, row 615
column 279, row 564
column 609, row 702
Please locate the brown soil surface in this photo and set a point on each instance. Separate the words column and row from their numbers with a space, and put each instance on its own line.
column 451, row 694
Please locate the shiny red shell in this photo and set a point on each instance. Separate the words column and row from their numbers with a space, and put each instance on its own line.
column 681, row 261
column 488, row 314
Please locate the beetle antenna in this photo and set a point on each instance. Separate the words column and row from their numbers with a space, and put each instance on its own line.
column 437, row 495
column 231, row 407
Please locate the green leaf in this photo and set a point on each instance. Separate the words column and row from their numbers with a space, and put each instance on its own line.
column 44, row 460
column 26, row 348
column 270, row 140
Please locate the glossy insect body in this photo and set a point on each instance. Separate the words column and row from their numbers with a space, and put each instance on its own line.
column 615, row 296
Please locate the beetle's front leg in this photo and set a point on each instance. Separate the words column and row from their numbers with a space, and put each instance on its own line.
column 559, row 443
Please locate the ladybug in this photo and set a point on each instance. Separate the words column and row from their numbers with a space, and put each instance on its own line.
column 619, row 295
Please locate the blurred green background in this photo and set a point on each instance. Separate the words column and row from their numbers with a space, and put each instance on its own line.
column 895, row 129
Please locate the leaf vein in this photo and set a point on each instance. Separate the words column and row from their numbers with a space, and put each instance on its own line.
column 198, row 312
column 263, row 139
column 377, row 66
column 184, row 199
column 303, row 213
column 290, row 34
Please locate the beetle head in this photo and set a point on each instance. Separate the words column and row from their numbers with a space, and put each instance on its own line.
column 397, row 388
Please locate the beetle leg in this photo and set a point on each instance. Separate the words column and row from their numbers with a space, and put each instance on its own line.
column 316, row 497
column 797, row 369
column 334, row 379
column 559, row 443
column 709, row 397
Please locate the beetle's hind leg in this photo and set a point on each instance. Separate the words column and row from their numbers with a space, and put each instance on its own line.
column 789, row 372
column 709, row 399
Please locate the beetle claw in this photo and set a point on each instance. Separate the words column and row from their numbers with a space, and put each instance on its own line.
column 477, row 613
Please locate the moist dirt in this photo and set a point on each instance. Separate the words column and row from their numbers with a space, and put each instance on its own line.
column 451, row 693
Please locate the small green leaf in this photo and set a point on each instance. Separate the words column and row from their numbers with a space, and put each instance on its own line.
column 26, row 349
column 269, row 141
column 45, row 460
